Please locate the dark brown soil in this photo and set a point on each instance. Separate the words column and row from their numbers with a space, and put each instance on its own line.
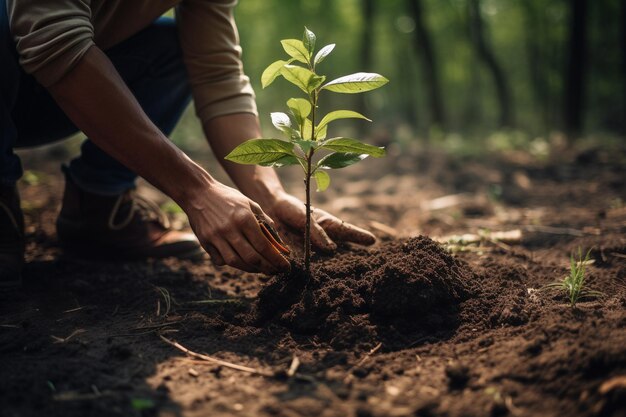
column 400, row 329
column 393, row 294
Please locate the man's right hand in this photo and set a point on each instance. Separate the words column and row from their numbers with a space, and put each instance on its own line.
column 225, row 222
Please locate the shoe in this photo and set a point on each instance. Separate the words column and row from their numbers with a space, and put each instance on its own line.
column 11, row 238
column 126, row 226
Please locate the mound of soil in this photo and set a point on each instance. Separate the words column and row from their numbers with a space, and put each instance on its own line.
column 399, row 292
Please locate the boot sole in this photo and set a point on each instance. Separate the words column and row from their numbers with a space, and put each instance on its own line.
column 11, row 284
column 103, row 253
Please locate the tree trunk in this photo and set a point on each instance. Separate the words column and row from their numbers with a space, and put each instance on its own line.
column 365, row 54
column 485, row 54
column 535, row 38
column 623, row 42
column 575, row 71
column 424, row 48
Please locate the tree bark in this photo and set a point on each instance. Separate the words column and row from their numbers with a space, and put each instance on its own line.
column 535, row 38
column 365, row 54
column 575, row 71
column 485, row 54
column 424, row 48
column 623, row 42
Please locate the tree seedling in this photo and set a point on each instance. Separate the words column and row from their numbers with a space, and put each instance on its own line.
column 304, row 129
column 574, row 284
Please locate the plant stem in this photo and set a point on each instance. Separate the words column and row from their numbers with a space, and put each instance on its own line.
column 307, row 184
column 307, row 227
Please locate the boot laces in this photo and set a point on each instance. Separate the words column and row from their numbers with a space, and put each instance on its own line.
column 148, row 210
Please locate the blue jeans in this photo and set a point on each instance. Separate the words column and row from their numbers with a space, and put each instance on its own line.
column 151, row 64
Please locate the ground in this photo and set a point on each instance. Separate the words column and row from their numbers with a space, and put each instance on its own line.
column 90, row 338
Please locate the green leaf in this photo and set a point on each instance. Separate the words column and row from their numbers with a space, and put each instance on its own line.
column 340, row 114
column 338, row 160
column 320, row 134
column 296, row 50
column 356, row 83
column 305, row 145
column 300, row 77
column 307, row 130
column 300, row 107
column 347, row 145
column 308, row 39
column 323, row 53
column 281, row 121
column 282, row 162
column 272, row 72
column 322, row 179
column 260, row 151
column 141, row 404
column 315, row 82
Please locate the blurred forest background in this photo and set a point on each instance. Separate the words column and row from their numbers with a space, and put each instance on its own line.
column 512, row 72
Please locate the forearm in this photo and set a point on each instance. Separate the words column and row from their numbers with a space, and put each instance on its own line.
column 98, row 101
column 224, row 133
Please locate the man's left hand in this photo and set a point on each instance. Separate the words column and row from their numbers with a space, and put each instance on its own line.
column 325, row 228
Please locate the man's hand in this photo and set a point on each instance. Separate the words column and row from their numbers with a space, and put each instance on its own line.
column 225, row 222
column 324, row 226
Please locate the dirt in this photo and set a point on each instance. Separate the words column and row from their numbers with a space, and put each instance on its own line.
column 393, row 294
column 408, row 327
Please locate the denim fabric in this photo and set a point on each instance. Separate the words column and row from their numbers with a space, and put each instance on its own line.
column 150, row 63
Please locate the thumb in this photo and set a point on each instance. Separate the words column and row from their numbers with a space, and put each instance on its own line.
column 320, row 238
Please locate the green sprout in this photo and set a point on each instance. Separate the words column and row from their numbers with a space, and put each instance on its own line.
column 574, row 284
column 304, row 129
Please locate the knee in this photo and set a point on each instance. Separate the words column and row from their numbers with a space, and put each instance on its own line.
column 10, row 70
column 163, row 34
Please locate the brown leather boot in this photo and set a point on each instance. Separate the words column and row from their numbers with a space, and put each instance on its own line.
column 11, row 238
column 126, row 226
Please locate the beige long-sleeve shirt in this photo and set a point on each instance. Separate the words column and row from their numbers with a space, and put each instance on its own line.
column 51, row 37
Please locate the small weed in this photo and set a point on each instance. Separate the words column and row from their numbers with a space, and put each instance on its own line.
column 574, row 284
column 141, row 404
column 167, row 298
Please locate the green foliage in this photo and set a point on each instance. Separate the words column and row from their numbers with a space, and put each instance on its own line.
column 142, row 404
column 305, row 139
column 573, row 285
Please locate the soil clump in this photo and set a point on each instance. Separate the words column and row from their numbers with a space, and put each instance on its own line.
column 403, row 289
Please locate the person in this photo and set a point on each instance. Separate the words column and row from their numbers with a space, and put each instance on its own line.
column 122, row 74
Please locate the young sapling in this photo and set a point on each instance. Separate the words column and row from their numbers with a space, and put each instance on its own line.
column 304, row 129
column 574, row 284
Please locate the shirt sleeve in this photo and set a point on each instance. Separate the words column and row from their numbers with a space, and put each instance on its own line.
column 212, row 54
column 51, row 36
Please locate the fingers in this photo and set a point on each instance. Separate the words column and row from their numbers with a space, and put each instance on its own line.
column 231, row 257
column 320, row 239
column 244, row 246
column 342, row 231
column 216, row 258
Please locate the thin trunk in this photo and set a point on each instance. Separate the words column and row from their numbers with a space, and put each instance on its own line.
column 365, row 54
column 623, row 43
column 485, row 54
column 536, row 59
column 307, row 226
column 424, row 48
column 575, row 72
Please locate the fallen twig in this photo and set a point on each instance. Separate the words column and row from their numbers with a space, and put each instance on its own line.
column 65, row 340
column 215, row 360
column 293, row 368
column 555, row 230
column 350, row 376
column 212, row 301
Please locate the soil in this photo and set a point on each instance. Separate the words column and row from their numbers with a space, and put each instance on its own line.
column 408, row 327
column 393, row 294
